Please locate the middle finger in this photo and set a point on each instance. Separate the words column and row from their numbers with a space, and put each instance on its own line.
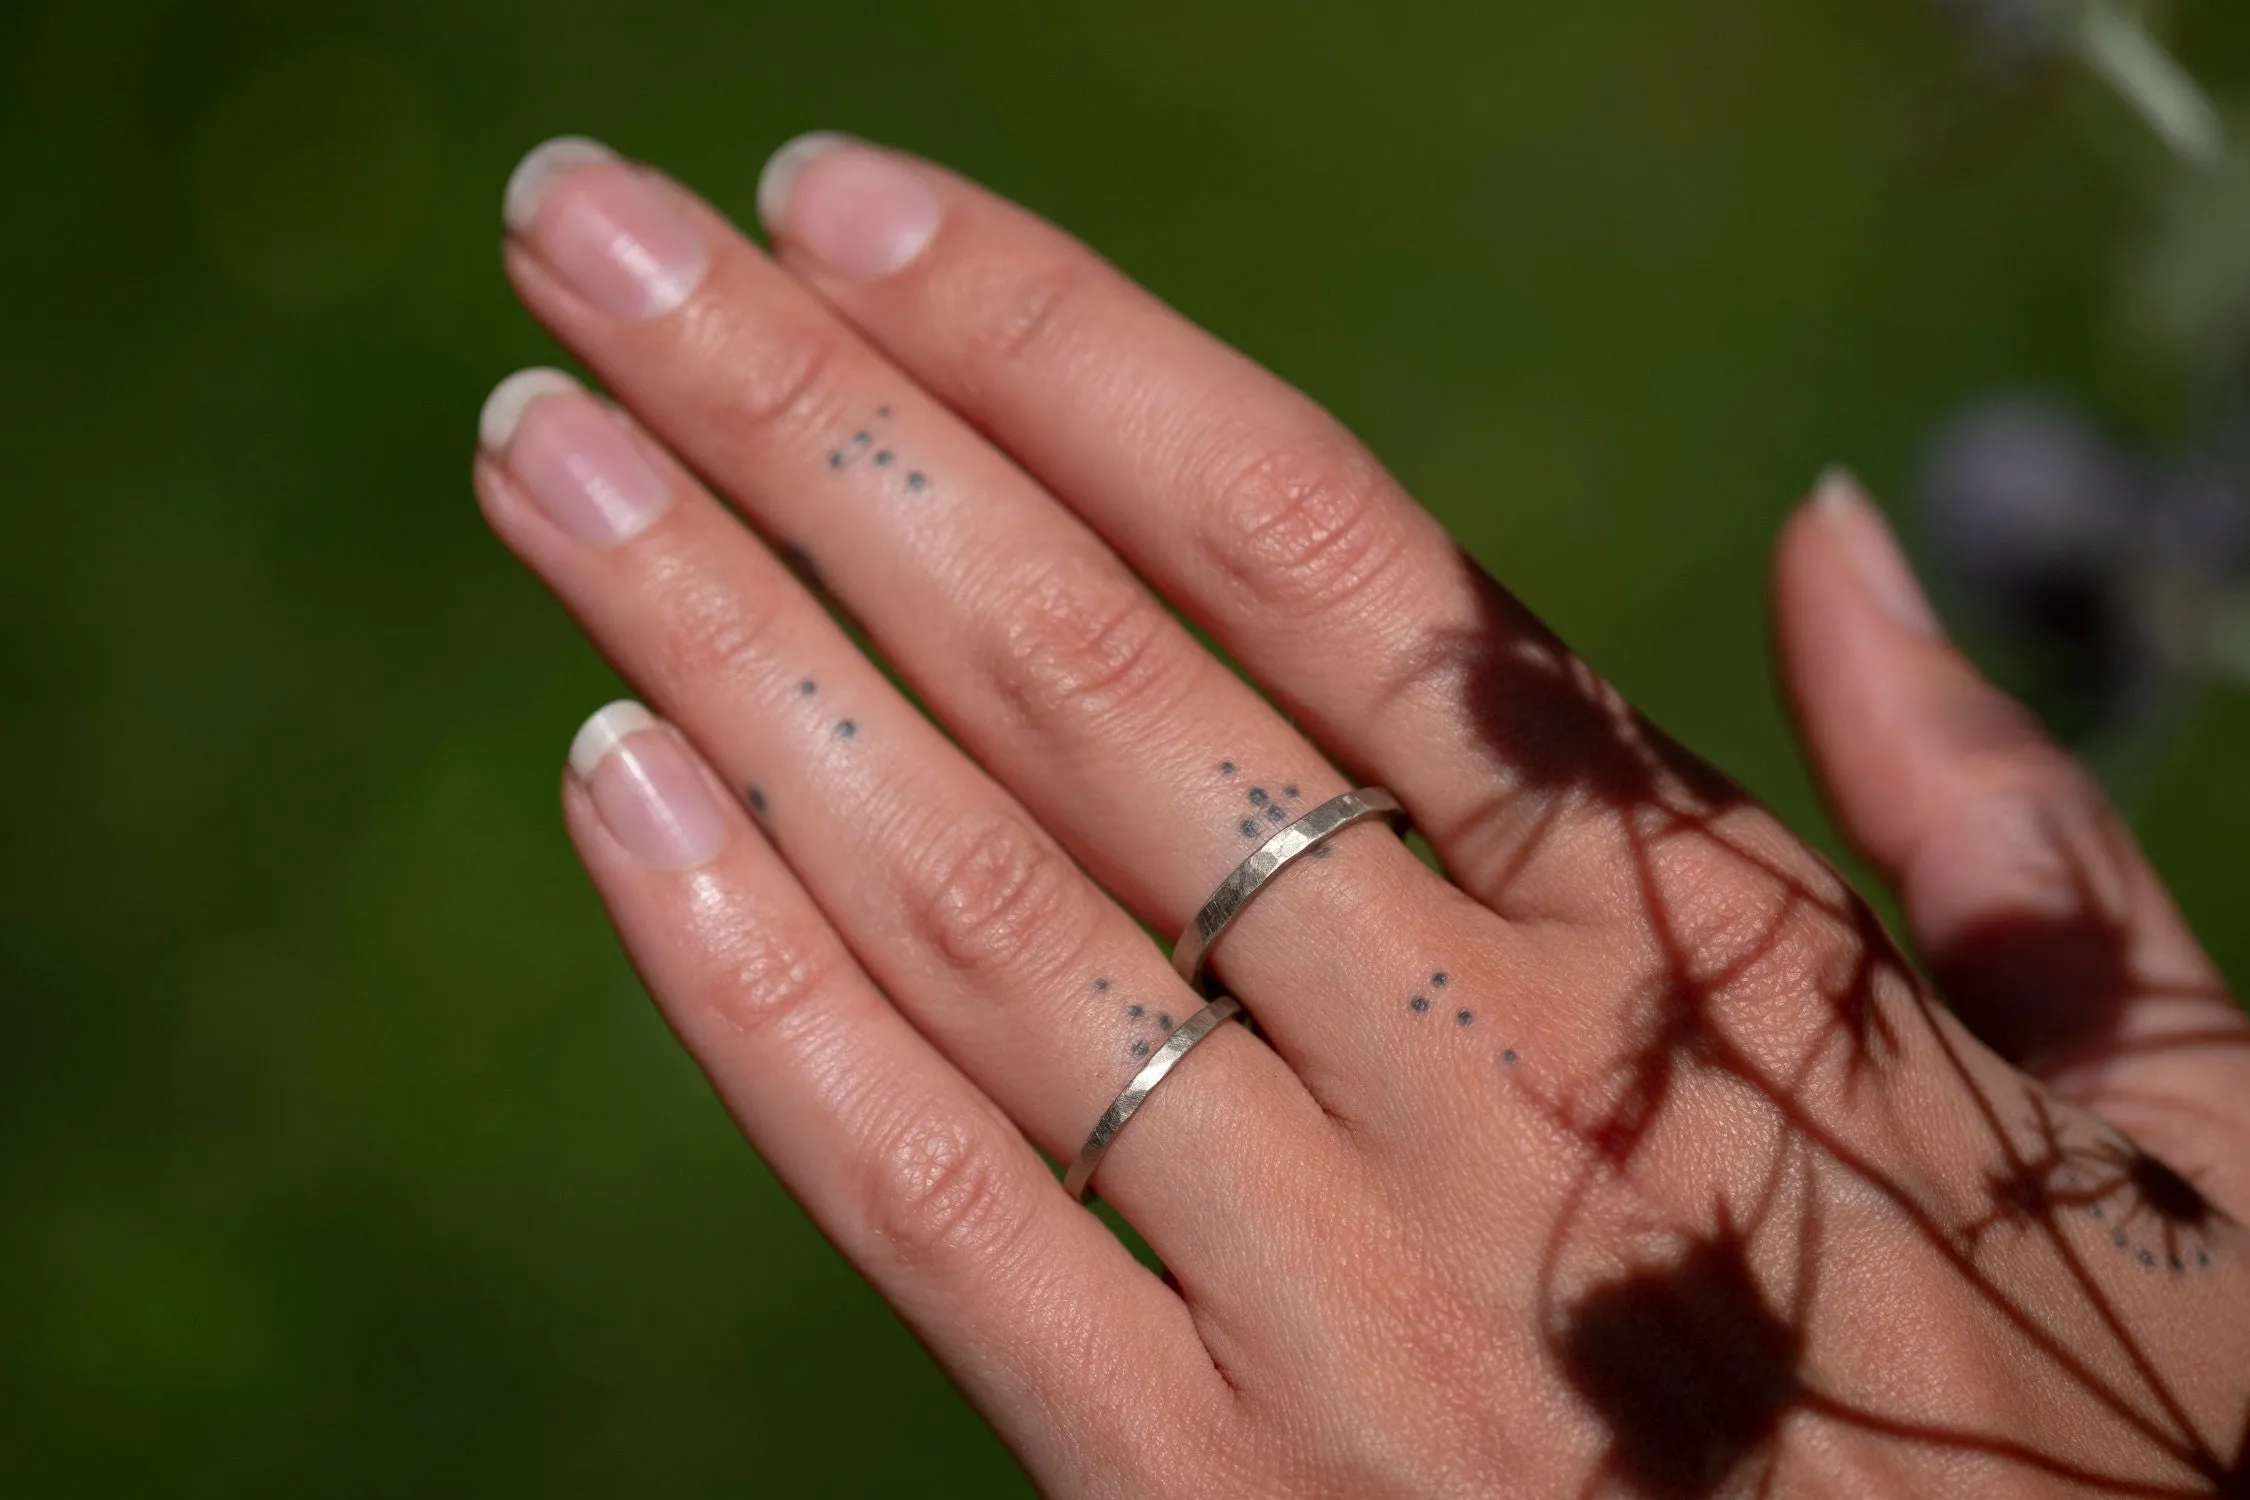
column 1041, row 651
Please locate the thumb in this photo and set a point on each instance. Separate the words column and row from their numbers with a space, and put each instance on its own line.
column 2029, row 899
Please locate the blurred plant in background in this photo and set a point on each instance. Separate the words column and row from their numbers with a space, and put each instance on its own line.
column 2110, row 584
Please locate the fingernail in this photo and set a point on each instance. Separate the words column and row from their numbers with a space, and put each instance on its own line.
column 603, row 228
column 572, row 457
column 863, row 213
column 1867, row 540
column 651, row 796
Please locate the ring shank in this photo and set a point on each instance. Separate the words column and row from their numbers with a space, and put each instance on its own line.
column 1192, row 953
column 1135, row 1094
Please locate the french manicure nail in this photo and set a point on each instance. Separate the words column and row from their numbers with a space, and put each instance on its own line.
column 603, row 228
column 859, row 211
column 572, row 456
column 1867, row 540
column 651, row 796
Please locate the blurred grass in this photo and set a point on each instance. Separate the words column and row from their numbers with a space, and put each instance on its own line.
column 341, row 1155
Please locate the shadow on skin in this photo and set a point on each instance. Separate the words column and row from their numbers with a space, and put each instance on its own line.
column 1694, row 1360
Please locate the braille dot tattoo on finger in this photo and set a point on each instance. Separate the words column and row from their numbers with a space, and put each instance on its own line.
column 1419, row 1004
column 1144, row 1031
column 757, row 800
column 847, row 729
column 867, row 443
column 1265, row 810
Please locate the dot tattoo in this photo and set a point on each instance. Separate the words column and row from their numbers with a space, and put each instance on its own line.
column 1145, row 1032
column 1249, row 828
column 1420, row 1004
column 1226, row 768
column 757, row 800
column 1100, row 985
column 846, row 730
column 807, row 688
column 1258, row 796
column 863, row 443
column 1275, row 815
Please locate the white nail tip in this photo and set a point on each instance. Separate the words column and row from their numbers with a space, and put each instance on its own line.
column 510, row 399
column 539, row 169
column 604, row 732
column 782, row 167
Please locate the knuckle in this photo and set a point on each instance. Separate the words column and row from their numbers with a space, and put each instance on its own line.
column 767, row 381
column 948, row 1189
column 1305, row 527
column 1081, row 643
column 2044, row 826
column 714, row 635
column 1026, row 311
column 992, row 894
column 770, row 980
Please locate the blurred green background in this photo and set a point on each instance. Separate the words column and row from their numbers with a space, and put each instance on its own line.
column 339, row 1153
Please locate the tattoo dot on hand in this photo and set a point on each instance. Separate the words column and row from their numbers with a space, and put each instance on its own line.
column 1258, row 796
column 1226, row 768
column 882, row 411
column 1290, row 791
column 1508, row 1056
column 807, row 688
column 1438, row 980
column 1462, row 1018
column 1418, row 1004
column 917, row 481
column 1249, row 828
column 1274, row 814
column 756, row 799
column 1100, row 985
column 1134, row 1012
column 1140, row 1046
column 882, row 458
column 846, row 730
column 1164, row 1020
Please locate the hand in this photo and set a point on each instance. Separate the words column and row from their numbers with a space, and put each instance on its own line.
column 1627, row 1157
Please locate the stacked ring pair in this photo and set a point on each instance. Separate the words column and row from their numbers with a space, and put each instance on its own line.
column 1191, row 955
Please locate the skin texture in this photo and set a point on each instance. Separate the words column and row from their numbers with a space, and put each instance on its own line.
column 1626, row 1157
